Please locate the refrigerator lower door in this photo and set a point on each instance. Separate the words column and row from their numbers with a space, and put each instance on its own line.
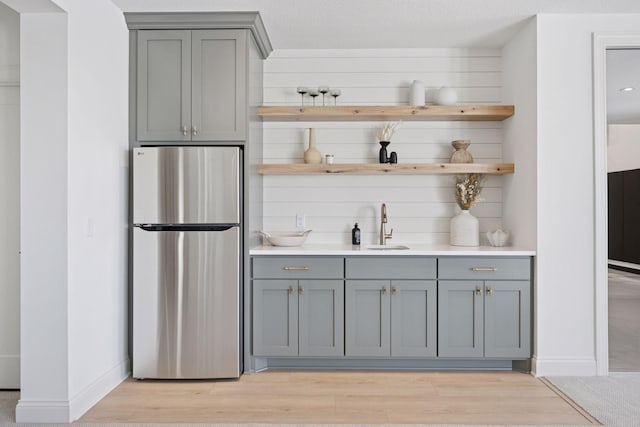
column 186, row 304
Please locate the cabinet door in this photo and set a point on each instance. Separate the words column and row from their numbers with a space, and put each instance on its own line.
column 460, row 318
column 275, row 318
column 219, row 85
column 321, row 317
column 413, row 318
column 164, row 85
column 367, row 320
column 507, row 326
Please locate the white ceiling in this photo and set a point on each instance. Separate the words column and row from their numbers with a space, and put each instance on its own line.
column 361, row 24
column 623, row 70
column 334, row 24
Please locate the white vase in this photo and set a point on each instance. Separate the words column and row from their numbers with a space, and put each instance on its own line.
column 416, row 95
column 446, row 96
column 465, row 229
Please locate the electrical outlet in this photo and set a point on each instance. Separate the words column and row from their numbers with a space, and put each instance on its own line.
column 300, row 220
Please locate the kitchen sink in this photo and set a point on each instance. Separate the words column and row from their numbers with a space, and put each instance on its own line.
column 387, row 247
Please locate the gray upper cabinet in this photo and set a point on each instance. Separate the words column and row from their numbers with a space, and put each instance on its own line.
column 191, row 85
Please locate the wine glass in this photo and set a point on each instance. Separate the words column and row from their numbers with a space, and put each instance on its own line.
column 323, row 90
column 335, row 93
column 313, row 93
column 302, row 90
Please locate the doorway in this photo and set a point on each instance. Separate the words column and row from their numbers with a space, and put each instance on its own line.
column 623, row 176
column 601, row 44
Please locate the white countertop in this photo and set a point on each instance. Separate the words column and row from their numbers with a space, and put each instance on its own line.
column 414, row 249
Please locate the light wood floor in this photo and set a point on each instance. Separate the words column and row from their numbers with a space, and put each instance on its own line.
column 342, row 397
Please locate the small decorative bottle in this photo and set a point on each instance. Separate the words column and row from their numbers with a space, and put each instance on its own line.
column 355, row 235
column 312, row 155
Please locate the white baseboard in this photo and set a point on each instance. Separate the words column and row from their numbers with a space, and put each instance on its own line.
column 9, row 371
column 66, row 411
column 563, row 367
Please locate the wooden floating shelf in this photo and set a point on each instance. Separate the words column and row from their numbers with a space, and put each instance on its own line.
column 376, row 168
column 387, row 113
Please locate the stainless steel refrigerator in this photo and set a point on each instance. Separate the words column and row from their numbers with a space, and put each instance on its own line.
column 186, row 262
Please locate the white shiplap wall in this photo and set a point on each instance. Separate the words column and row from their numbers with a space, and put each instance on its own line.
column 419, row 206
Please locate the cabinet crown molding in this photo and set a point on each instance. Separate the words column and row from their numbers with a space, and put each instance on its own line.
column 203, row 20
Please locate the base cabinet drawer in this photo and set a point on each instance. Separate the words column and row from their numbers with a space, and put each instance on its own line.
column 298, row 317
column 298, row 267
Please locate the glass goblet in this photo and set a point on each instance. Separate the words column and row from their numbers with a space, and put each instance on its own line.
column 335, row 93
column 302, row 90
column 313, row 93
column 323, row 90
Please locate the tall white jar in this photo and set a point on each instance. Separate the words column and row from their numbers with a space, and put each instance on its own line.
column 465, row 229
column 416, row 93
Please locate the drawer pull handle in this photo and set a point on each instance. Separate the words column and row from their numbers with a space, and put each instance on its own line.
column 484, row 269
column 478, row 291
column 295, row 268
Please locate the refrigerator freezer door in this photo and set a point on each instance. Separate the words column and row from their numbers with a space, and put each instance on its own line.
column 186, row 304
column 186, row 185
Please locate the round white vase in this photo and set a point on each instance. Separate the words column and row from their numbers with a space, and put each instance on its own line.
column 465, row 229
column 446, row 96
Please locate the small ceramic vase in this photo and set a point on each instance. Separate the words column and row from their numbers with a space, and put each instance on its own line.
column 461, row 155
column 312, row 155
column 465, row 229
column 416, row 94
column 446, row 96
column 383, row 156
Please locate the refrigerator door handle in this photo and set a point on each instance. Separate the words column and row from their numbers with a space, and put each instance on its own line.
column 186, row 227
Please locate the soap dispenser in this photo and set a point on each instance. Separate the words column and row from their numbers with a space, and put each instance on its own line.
column 355, row 235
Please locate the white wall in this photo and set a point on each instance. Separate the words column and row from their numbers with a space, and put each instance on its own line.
column 419, row 206
column 74, row 167
column 9, row 198
column 565, row 261
column 623, row 147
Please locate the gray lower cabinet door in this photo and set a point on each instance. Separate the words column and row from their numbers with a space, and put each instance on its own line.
column 413, row 318
column 275, row 317
column 321, row 317
column 507, row 328
column 460, row 318
column 367, row 323
column 218, row 85
column 164, row 85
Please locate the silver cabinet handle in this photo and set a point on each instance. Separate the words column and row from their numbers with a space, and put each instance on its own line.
column 185, row 131
column 395, row 290
column 194, row 131
column 292, row 290
column 478, row 291
column 301, row 290
column 484, row 269
column 384, row 290
column 489, row 291
column 295, row 268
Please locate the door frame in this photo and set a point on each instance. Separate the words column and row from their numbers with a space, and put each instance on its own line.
column 602, row 42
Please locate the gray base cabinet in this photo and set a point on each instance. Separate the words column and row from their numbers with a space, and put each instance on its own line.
column 394, row 308
column 298, row 306
column 488, row 318
column 191, row 85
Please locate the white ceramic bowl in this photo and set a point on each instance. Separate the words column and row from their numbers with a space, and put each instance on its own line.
column 498, row 237
column 293, row 238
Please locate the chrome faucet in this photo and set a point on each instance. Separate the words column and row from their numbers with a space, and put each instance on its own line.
column 383, row 220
